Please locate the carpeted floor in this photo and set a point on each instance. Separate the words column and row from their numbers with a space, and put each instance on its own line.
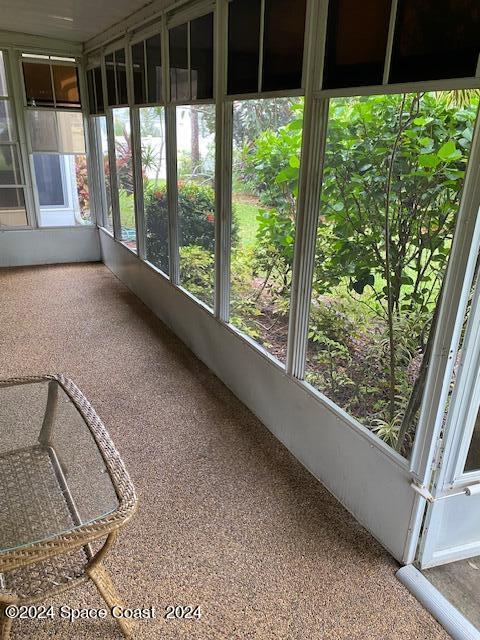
column 228, row 519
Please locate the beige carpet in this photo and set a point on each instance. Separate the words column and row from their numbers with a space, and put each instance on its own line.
column 228, row 519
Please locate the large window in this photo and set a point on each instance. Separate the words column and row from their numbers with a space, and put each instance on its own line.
column 393, row 176
column 154, row 171
column 196, row 199
column 12, row 200
column 147, row 70
column 267, row 137
column 191, row 60
column 116, row 71
column 50, row 82
column 105, row 195
column 125, row 180
column 60, row 166
column 265, row 45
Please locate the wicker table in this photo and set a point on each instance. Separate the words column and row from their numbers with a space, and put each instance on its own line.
column 63, row 486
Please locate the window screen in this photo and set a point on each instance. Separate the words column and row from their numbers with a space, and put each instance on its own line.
column 283, row 45
column 356, row 42
column 50, row 85
column 153, row 47
column 65, row 85
column 435, row 39
column 138, row 67
column 48, row 176
column 178, row 47
column 243, row 46
column 56, row 131
column 201, row 57
column 38, row 84
column 92, row 106
column 121, row 72
column 97, row 73
column 110, row 71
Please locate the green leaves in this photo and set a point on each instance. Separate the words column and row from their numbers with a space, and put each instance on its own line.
column 448, row 152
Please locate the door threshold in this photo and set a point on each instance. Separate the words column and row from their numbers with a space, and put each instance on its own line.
column 451, row 619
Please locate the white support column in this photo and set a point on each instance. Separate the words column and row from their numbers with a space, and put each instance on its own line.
column 136, row 155
column 223, row 167
column 117, row 230
column 171, row 158
column 96, row 209
column 308, row 205
column 138, row 180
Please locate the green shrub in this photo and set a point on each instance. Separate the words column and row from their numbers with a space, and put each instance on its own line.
column 196, row 213
column 196, row 217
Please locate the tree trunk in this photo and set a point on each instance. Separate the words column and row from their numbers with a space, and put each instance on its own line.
column 195, row 140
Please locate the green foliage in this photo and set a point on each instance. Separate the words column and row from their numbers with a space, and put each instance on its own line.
column 197, row 272
column 196, row 212
column 393, row 175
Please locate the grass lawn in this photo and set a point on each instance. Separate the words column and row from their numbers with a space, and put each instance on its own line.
column 246, row 214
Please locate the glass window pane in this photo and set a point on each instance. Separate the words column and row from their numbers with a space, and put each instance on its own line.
column 38, row 83
column 178, row 47
column 243, row 46
column 65, row 83
column 435, row 39
column 154, row 68
column 154, row 170
column 104, row 173
column 7, row 125
column 267, row 138
column 3, row 79
column 473, row 458
column 111, row 82
column 201, row 57
column 99, row 89
column 138, row 67
column 393, row 176
column 59, row 131
column 71, row 138
column 10, row 172
column 283, row 45
column 12, row 208
column 63, row 190
column 121, row 70
column 48, row 175
column 357, row 35
column 92, row 106
column 196, row 199
column 124, row 164
column 43, row 130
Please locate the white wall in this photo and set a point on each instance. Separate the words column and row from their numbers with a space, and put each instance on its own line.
column 49, row 246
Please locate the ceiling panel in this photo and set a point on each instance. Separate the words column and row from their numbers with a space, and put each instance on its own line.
column 73, row 20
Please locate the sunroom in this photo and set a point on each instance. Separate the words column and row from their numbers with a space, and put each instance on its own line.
column 247, row 232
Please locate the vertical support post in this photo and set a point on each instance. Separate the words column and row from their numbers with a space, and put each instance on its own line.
column 310, row 181
column 138, row 180
column 136, row 155
column 96, row 211
column 223, row 167
column 45, row 437
column 456, row 290
column 391, row 31
column 117, row 227
column 171, row 158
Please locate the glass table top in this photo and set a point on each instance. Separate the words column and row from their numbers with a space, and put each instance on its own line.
column 53, row 477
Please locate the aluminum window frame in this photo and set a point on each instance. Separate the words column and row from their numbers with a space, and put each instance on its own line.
column 312, row 156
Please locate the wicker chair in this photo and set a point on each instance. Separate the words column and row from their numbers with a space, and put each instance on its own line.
column 34, row 561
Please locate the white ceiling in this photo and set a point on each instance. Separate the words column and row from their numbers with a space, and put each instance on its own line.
column 74, row 20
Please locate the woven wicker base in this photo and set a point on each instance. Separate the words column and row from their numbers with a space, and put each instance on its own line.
column 45, row 547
